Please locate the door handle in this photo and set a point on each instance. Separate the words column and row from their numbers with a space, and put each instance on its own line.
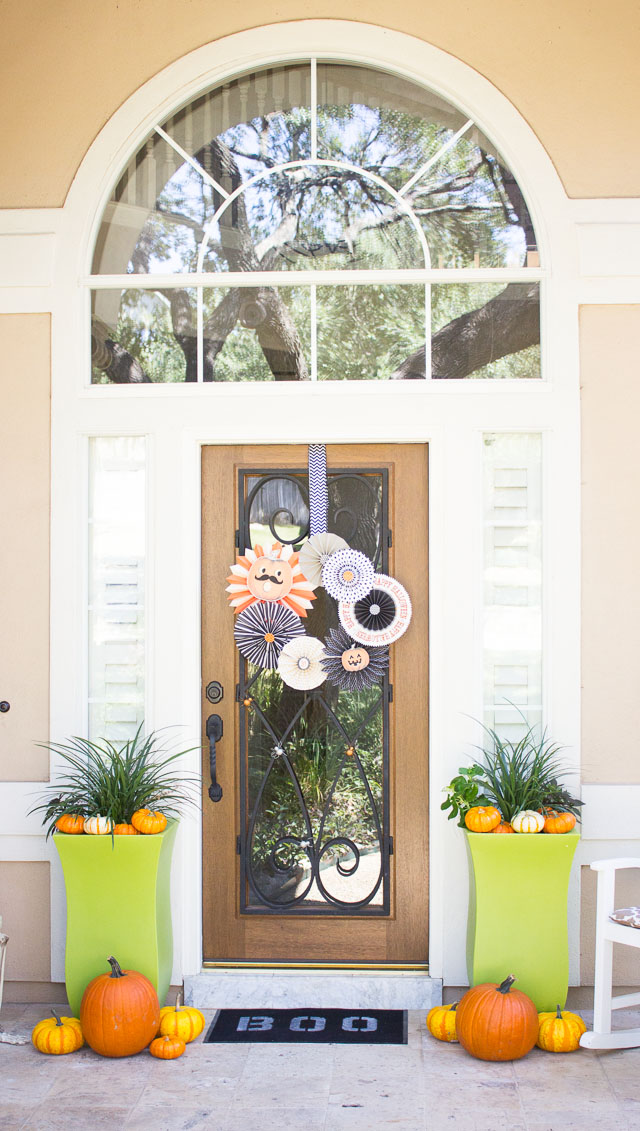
column 214, row 734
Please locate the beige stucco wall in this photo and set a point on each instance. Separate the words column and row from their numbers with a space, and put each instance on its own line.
column 24, row 556
column 610, row 399
column 570, row 68
column 26, row 919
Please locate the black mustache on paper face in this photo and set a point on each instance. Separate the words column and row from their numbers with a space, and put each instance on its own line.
column 269, row 577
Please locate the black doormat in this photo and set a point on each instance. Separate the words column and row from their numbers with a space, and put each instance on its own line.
column 310, row 1026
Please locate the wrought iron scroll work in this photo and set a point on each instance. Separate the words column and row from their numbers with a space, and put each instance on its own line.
column 312, row 851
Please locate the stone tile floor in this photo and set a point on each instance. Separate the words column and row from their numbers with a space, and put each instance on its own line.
column 423, row 1086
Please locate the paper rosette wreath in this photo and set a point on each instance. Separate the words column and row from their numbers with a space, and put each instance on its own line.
column 352, row 666
column 379, row 618
column 269, row 575
column 263, row 630
column 299, row 663
column 347, row 575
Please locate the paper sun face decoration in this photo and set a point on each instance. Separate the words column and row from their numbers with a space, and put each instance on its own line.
column 379, row 618
column 299, row 663
column 263, row 630
column 272, row 575
column 352, row 666
column 347, row 575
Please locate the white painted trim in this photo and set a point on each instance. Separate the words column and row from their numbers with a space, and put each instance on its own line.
column 449, row 415
column 611, row 811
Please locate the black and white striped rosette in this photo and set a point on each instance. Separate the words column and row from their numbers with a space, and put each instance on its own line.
column 262, row 631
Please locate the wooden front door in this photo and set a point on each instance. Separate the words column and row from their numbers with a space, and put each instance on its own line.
column 316, row 849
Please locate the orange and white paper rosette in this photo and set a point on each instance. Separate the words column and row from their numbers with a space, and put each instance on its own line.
column 269, row 575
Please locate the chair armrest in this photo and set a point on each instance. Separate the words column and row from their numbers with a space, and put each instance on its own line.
column 615, row 863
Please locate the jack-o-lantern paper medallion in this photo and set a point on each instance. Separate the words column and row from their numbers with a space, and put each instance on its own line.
column 263, row 630
column 299, row 663
column 352, row 666
column 348, row 575
column 272, row 575
column 315, row 554
column 379, row 618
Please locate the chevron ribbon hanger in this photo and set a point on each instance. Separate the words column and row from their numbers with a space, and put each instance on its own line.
column 318, row 495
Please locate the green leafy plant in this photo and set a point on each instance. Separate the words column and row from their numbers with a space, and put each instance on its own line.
column 464, row 791
column 513, row 775
column 115, row 781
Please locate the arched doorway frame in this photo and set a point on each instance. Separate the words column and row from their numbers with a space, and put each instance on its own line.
column 451, row 417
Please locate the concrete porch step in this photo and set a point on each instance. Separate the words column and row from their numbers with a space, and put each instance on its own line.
column 228, row 988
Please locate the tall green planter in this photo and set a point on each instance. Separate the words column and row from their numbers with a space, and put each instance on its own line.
column 118, row 902
column 518, row 912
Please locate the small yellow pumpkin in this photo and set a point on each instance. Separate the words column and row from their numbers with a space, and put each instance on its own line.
column 149, row 822
column 527, row 821
column 183, row 1021
column 482, row 818
column 167, row 1048
column 560, row 1031
column 441, row 1022
column 70, row 823
column 98, row 826
column 57, row 1035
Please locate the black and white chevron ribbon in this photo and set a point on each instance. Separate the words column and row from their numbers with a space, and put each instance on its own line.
column 318, row 498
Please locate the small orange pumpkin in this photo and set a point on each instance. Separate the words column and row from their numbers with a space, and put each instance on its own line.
column 441, row 1022
column 495, row 1022
column 167, row 1048
column 124, row 830
column 120, row 1012
column 183, row 1021
column 70, row 823
column 556, row 822
column 503, row 827
column 148, row 821
column 482, row 818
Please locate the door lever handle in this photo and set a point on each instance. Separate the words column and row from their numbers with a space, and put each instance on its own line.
column 214, row 734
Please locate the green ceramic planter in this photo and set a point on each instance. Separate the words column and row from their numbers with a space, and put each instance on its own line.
column 518, row 912
column 118, row 902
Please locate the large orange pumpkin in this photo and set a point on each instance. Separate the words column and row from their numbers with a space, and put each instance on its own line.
column 120, row 1012
column 495, row 1022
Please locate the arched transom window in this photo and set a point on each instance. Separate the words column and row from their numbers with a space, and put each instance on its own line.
column 315, row 222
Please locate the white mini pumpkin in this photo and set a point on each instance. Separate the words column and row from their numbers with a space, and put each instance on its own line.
column 97, row 826
column 528, row 821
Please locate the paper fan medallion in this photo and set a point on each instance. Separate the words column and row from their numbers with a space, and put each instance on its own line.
column 316, row 552
column 262, row 631
column 299, row 663
column 269, row 575
column 352, row 666
column 381, row 617
column 348, row 575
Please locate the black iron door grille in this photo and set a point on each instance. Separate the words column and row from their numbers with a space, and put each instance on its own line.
column 314, row 765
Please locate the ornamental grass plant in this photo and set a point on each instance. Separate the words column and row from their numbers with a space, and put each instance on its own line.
column 101, row 778
column 513, row 776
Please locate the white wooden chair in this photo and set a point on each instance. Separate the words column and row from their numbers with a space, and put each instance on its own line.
column 4, row 939
column 609, row 932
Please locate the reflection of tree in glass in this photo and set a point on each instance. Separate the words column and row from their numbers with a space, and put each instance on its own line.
column 315, row 216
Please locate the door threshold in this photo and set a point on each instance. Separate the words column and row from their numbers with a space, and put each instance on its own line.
column 380, row 967
column 294, row 986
